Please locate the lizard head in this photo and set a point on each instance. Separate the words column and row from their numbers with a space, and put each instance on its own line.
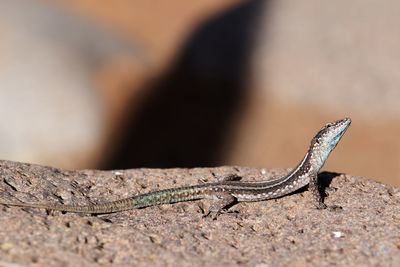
column 328, row 137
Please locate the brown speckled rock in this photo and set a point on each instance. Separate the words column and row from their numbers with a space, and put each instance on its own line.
column 284, row 231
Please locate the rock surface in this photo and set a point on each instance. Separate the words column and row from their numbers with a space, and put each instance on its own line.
column 285, row 231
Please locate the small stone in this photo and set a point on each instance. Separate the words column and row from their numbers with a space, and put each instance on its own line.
column 242, row 260
column 153, row 257
column 6, row 246
column 289, row 204
column 397, row 244
column 256, row 227
column 102, row 261
column 292, row 239
column 184, row 207
column 241, row 224
column 95, row 224
column 61, row 193
column 164, row 207
column 11, row 182
column 156, row 239
column 337, row 234
column 391, row 191
column 206, row 235
column 201, row 206
column 290, row 217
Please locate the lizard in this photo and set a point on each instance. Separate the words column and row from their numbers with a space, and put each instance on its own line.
column 228, row 189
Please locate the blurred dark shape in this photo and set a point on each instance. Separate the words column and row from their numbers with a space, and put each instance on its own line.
column 187, row 115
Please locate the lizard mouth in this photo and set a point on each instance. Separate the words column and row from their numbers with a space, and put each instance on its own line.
column 341, row 127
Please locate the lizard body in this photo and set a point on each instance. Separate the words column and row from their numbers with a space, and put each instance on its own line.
column 227, row 189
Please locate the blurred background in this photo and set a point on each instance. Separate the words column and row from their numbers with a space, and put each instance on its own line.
column 129, row 83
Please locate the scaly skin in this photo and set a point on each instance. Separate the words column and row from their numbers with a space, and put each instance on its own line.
column 227, row 189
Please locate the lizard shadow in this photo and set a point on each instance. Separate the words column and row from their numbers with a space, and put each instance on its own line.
column 325, row 179
column 185, row 116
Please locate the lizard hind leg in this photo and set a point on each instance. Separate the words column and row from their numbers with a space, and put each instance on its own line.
column 224, row 199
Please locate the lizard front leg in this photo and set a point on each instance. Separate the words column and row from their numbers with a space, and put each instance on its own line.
column 314, row 189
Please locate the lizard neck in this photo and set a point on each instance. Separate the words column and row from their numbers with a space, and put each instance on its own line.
column 310, row 165
column 318, row 154
column 301, row 174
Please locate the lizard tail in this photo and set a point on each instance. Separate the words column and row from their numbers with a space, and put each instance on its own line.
column 150, row 199
column 119, row 205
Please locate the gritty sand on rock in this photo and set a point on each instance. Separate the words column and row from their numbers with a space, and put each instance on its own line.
column 284, row 231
